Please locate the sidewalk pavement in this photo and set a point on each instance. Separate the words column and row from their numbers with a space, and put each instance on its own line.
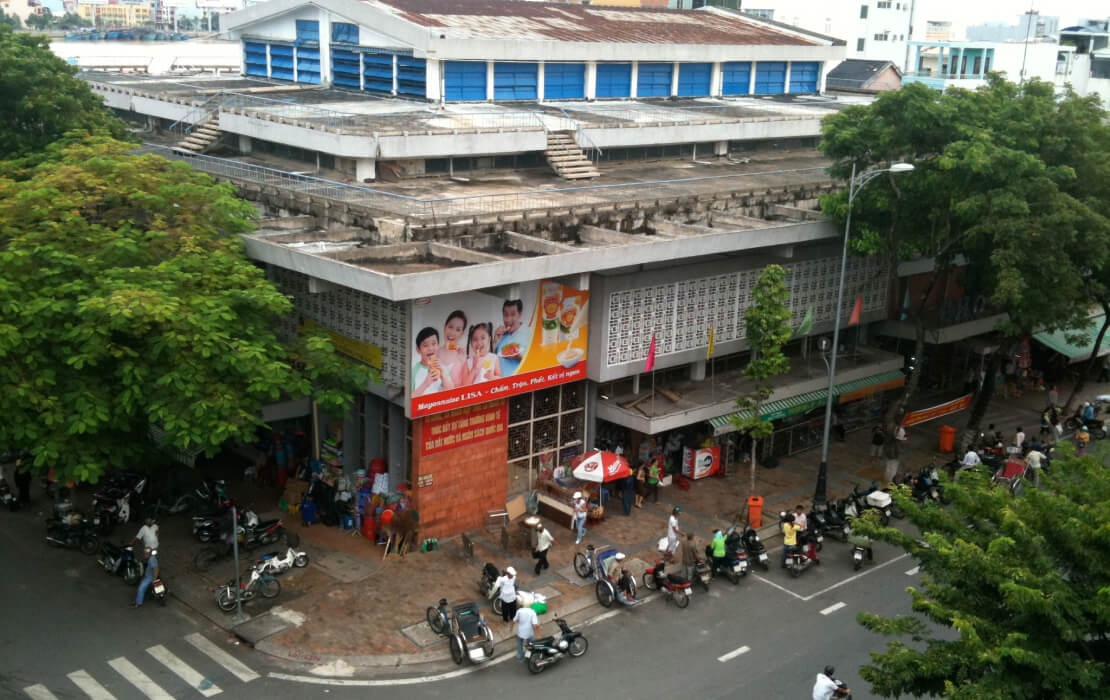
column 350, row 609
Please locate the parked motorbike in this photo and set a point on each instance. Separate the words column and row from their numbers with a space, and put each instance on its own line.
column 158, row 590
column 829, row 520
column 541, row 653
column 804, row 553
column 273, row 564
column 703, row 573
column 267, row 532
column 117, row 503
column 258, row 584
column 73, row 533
column 735, row 564
column 753, row 545
column 120, row 560
column 859, row 551
column 874, row 500
column 674, row 586
column 206, row 528
column 926, row 486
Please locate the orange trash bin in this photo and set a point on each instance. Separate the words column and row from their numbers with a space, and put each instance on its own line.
column 947, row 438
column 755, row 511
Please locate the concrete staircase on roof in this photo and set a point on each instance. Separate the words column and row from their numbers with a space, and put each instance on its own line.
column 567, row 159
column 203, row 136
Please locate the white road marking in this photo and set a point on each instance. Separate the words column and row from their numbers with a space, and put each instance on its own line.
column 89, row 684
column 184, row 671
column 733, row 654
column 39, row 692
column 229, row 662
column 913, row 571
column 810, row 597
column 784, row 589
column 139, row 679
column 833, row 608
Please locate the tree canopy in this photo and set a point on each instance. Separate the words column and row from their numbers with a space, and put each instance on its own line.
column 127, row 301
column 42, row 98
column 1009, row 181
column 1019, row 588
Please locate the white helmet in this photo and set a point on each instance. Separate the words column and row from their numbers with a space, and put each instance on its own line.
column 619, row 556
column 510, row 571
column 577, row 494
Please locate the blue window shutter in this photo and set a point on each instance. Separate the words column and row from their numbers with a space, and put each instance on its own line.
column 515, row 81
column 736, row 77
column 694, row 79
column 464, row 80
column 613, row 80
column 377, row 72
column 654, row 80
column 412, row 77
column 308, row 31
column 770, row 78
column 344, row 33
column 564, row 81
column 804, row 76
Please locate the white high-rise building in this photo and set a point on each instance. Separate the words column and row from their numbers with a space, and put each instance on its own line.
column 872, row 29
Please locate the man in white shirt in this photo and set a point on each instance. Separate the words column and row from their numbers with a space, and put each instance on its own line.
column 544, row 540
column 825, row 687
column 506, row 590
column 971, row 459
column 1035, row 459
column 800, row 518
column 148, row 534
column 527, row 627
column 1019, row 438
column 673, row 532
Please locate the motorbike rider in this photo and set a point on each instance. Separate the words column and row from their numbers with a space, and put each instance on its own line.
column 826, row 686
column 625, row 586
column 1082, row 437
column 1088, row 414
column 789, row 537
column 148, row 534
column 718, row 545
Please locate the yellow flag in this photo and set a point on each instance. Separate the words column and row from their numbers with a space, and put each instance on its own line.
column 709, row 351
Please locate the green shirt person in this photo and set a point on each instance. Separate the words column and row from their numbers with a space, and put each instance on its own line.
column 718, row 544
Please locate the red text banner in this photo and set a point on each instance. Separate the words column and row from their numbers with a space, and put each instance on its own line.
column 453, row 429
column 496, row 389
column 927, row 414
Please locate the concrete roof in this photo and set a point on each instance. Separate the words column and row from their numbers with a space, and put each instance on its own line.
column 516, row 19
column 856, row 72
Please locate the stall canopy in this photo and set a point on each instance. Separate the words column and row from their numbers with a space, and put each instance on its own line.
column 1084, row 340
column 791, row 406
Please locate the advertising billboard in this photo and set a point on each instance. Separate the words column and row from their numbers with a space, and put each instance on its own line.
column 472, row 347
column 700, row 463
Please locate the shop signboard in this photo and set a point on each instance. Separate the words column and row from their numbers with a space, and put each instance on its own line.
column 453, row 429
column 927, row 414
column 473, row 347
column 700, row 463
column 792, row 410
column 864, row 392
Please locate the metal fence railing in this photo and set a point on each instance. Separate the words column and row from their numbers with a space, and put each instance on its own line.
column 470, row 205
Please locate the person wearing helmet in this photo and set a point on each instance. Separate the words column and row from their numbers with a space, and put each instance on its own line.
column 149, row 555
column 1088, row 412
column 826, row 686
column 506, row 589
column 581, row 508
column 1082, row 437
column 148, row 534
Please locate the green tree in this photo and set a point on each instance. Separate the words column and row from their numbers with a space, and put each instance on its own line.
column 42, row 98
column 41, row 22
column 127, row 302
column 1014, row 601
column 10, row 21
column 72, row 20
column 995, row 184
column 768, row 328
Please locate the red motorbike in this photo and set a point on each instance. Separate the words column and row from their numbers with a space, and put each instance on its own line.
column 674, row 587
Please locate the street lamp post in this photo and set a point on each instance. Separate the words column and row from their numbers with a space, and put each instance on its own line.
column 854, row 186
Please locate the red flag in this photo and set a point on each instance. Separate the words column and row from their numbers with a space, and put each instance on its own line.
column 649, row 364
column 857, row 311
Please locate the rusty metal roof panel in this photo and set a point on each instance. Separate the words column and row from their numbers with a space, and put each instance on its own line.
column 542, row 21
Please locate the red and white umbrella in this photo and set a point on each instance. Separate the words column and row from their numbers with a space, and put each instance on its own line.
column 599, row 467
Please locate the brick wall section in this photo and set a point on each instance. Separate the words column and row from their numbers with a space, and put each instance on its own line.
column 466, row 482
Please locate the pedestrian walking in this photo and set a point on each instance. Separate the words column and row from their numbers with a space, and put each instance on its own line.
column 641, row 485
column 1019, row 438
column 23, row 481
column 581, row 510
column 527, row 627
column 689, row 557
column 148, row 577
column 506, row 590
column 654, row 473
column 544, row 540
column 878, row 439
column 673, row 533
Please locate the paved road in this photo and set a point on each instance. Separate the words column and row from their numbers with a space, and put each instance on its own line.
column 70, row 635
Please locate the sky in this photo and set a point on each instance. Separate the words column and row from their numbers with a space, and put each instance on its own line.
column 963, row 13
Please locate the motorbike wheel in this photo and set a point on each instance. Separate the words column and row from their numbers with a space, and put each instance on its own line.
column 896, row 512
column 884, row 519
column 581, row 565
column 1071, row 424
column 604, row 594
column 795, row 570
column 578, row 647
column 704, row 584
column 162, row 599
column 681, row 597
column 820, row 545
column 456, row 650
column 734, row 577
column 497, row 607
column 225, row 600
column 301, row 560
column 205, row 536
column 649, row 580
column 269, row 587
column 90, row 545
column 766, row 564
column 270, row 537
column 857, row 564
column 435, row 620
column 534, row 664
column 205, row 558
column 131, row 573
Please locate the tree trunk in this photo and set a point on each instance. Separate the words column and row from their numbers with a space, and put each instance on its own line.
column 1092, row 361
column 980, row 404
column 755, row 443
column 897, row 410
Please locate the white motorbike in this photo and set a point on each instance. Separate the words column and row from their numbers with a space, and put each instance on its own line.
column 271, row 563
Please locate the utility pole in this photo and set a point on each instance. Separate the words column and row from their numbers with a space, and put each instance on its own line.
column 909, row 38
column 1028, row 29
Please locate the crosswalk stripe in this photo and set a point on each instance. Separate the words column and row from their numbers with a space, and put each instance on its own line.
column 913, row 571
column 184, row 671
column 39, row 692
column 139, row 679
column 92, row 688
column 229, row 662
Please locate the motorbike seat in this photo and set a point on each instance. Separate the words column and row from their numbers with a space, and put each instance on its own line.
column 490, row 572
column 676, row 579
column 266, row 524
column 544, row 642
column 267, row 556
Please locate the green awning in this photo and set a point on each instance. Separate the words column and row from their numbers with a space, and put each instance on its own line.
column 1076, row 351
column 803, row 402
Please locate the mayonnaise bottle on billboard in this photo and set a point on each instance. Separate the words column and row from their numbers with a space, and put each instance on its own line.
column 567, row 317
column 551, row 297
